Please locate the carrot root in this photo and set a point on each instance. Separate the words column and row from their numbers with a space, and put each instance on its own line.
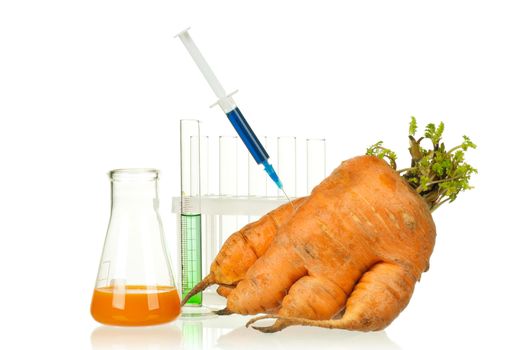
column 223, row 312
column 381, row 294
column 283, row 322
column 207, row 281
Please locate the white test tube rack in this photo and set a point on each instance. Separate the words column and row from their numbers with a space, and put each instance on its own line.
column 243, row 192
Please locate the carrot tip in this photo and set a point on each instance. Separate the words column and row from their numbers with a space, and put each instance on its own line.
column 223, row 312
column 269, row 329
column 255, row 319
column 204, row 283
column 275, row 327
column 284, row 322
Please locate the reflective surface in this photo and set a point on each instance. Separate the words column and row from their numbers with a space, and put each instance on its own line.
column 230, row 333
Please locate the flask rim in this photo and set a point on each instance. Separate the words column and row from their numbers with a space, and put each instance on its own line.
column 133, row 174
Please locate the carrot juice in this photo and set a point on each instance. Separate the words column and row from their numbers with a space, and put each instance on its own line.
column 135, row 305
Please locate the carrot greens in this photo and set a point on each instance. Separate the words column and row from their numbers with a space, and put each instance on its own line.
column 438, row 174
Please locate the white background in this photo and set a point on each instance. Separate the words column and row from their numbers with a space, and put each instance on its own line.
column 87, row 86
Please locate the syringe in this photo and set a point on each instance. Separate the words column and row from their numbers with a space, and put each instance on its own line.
column 227, row 104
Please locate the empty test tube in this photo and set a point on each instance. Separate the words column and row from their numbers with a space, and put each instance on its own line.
column 270, row 146
column 287, row 163
column 207, row 242
column 315, row 162
column 256, row 182
column 228, row 164
column 228, row 180
column 205, row 164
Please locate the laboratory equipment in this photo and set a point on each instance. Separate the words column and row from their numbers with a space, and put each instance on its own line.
column 229, row 107
column 227, row 205
column 190, row 208
column 229, row 180
column 191, row 242
column 228, row 168
column 287, row 162
column 135, row 285
column 315, row 162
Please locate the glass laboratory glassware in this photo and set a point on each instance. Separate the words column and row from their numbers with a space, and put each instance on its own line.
column 135, row 285
column 190, row 228
column 315, row 162
column 271, row 145
column 228, row 183
column 191, row 241
column 287, row 163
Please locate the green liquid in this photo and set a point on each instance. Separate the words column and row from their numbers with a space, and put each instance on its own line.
column 191, row 255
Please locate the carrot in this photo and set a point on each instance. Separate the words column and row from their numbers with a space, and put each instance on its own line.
column 350, row 255
column 363, row 229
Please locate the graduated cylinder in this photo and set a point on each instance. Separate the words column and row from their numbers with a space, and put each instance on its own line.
column 190, row 149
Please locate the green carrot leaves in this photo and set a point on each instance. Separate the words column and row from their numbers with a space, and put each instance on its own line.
column 384, row 153
column 413, row 126
column 467, row 143
column 436, row 174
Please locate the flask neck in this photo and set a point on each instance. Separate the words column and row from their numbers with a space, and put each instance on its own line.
column 134, row 188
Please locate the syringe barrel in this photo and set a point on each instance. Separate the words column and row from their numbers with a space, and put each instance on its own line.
column 247, row 135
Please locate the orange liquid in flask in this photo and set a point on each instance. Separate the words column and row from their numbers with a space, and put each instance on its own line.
column 135, row 305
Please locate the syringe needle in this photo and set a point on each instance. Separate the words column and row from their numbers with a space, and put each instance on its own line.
column 289, row 199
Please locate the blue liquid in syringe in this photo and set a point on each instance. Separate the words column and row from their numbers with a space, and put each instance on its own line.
column 252, row 143
column 247, row 135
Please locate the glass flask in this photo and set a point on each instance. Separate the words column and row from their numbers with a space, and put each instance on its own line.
column 135, row 285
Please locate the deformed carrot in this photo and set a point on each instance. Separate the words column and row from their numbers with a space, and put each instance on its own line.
column 360, row 242
column 351, row 253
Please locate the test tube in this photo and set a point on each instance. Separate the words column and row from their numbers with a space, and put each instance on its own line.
column 301, row 163
column 287, row 164
column 190, row 224
column 256, row 179
column 205, row 165
column 208, row 248
column 190, row 164
column 256, row 183
column 271, row 146
column 315, row 162
column 242, row 173
column 228, row 159
column 242, row 179
column 228, row 164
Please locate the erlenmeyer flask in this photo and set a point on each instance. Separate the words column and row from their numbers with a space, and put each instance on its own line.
column 135, row 285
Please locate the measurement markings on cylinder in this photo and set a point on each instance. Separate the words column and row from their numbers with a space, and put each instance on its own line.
column 191, row 254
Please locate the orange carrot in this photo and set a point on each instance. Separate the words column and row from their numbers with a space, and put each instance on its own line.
column 351, row 253
column 363, row 229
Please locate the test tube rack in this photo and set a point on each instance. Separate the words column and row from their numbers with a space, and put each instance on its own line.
column 234, row 191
